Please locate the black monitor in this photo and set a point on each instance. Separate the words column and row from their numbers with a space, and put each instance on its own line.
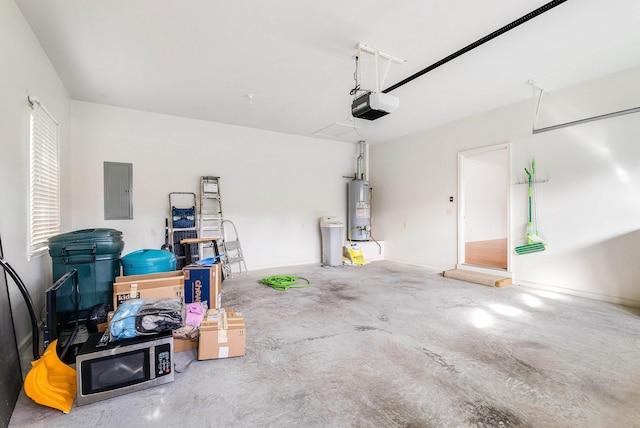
column 64, row 325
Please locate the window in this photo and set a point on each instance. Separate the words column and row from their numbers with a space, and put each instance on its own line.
column 44, row 183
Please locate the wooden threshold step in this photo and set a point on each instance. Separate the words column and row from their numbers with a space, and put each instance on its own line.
column 477, row 277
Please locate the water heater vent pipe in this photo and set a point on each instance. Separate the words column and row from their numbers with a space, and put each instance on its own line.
column 360, row 170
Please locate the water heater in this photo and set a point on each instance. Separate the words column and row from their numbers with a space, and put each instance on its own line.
column 358, row 210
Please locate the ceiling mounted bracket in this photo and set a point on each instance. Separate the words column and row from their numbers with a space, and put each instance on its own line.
column 377, row 54
column 538, row 91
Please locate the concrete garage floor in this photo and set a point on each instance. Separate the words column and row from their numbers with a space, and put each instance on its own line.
column 388, row 345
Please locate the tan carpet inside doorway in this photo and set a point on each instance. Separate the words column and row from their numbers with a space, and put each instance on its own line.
column 492, row 253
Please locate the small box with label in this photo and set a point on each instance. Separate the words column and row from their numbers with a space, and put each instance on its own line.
column 222, row 334
column 203, row 284
column 151, row 286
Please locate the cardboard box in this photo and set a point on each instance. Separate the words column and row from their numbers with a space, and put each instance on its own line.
column 181, row 345
column 159, row 275
column 185, row 338
column 203, row 284
column 171, row 287
column 222, row 335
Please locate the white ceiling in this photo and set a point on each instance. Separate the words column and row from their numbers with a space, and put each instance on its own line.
column 200, row 58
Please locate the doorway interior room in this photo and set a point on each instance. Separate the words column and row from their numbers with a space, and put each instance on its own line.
column 484, row 214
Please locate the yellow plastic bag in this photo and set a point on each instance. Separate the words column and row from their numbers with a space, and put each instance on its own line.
column 353, row 253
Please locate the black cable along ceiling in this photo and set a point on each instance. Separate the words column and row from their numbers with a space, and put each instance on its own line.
column 479, row 42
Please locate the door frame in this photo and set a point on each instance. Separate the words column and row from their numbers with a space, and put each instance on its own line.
column 462, row 155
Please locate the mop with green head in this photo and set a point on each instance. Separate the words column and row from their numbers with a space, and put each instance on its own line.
column 534, row 242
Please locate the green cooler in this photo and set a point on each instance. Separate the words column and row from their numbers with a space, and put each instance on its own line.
column 95, row 254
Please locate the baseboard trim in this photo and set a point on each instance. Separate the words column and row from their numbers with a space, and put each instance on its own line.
column 439, row 269
column 579, row 293
column 25, row 351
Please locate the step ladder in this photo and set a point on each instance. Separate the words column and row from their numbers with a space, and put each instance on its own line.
column 209, row 215
column 231, row 249
column 182, row 208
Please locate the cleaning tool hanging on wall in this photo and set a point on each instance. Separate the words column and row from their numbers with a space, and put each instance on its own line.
column 535, row 201
column 534, row 242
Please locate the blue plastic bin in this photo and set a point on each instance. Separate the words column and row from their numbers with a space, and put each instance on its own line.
column 148, row 261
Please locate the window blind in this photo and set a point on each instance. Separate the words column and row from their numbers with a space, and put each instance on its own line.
column 44, row 212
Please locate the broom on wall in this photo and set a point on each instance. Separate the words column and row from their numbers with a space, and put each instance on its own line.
column 534, row 242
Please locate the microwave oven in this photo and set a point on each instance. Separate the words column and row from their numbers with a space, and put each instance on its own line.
column 109, row 369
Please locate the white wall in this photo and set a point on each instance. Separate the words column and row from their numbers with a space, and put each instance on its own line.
column 485, row 191
column 26, row 70
column 589, row 209
column 274, row 187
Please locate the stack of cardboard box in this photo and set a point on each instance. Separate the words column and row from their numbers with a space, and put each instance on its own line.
column 222, row 332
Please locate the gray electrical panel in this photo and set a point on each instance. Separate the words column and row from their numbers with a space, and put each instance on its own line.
column 118, row 191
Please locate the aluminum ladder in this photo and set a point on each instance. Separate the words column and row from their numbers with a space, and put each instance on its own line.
column 231, row 249
column 209, row 215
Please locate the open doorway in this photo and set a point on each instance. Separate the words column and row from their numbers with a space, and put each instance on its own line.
column 483, row 209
